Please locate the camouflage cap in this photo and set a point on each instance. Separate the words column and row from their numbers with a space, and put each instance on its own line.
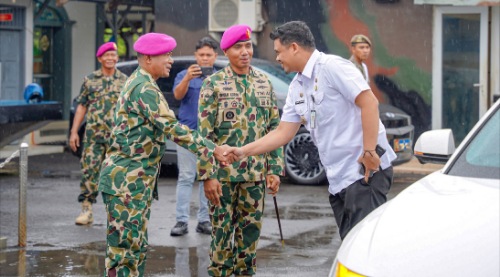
column 360, row 39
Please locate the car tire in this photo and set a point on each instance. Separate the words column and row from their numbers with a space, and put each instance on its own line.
column 302, row 163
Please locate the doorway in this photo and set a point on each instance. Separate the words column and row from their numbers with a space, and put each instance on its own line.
column 460, row 68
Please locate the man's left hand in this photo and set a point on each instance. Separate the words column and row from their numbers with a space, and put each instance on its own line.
column 273, row 183
column 371, row 162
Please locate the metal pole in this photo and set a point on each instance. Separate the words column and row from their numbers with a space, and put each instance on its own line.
column 23, row 180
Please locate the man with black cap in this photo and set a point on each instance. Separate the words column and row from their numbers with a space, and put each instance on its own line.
column 143, row 123
column 360, row 49
column 237, row 106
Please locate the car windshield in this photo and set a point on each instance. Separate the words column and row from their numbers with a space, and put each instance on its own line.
column 481, row 157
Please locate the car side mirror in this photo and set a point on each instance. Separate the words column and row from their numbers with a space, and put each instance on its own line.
column 435, row 146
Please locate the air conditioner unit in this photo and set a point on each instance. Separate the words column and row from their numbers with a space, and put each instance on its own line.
column 225, row 13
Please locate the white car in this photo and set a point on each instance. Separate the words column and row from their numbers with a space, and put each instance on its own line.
column 446, row 224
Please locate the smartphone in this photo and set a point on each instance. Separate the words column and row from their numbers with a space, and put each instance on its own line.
column 380, row 151
column 207, row 70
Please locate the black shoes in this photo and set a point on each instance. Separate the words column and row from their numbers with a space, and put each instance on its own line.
column 204, row 228
column 180, row 229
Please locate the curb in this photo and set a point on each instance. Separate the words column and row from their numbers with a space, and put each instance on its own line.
column 415, row 167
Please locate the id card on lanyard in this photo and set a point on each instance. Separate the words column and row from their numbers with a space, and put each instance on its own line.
column 313, row 110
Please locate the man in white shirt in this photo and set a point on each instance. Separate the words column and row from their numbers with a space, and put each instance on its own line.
column 361, row 47
column 331, row 98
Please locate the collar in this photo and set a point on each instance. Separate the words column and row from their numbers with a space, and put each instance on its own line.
column 147, row 75
column 308, row 69
column 230, row 72
column 354, row 60
column 98, row 73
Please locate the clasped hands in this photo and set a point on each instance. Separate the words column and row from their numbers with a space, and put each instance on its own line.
column 227, row 155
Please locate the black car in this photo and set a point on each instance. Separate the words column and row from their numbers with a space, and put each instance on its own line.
column 302, row 161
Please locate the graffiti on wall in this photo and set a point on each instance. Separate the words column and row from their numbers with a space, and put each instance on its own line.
column 399, row 69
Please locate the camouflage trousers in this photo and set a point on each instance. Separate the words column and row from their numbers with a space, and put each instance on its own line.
column 92, row 156
column 127, row 235
column 236, row 226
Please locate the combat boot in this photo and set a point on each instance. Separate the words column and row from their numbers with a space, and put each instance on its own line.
column 85, row 216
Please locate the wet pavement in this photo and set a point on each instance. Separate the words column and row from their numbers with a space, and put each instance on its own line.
column 58, row 247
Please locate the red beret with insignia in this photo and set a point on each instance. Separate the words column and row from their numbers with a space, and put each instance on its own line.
column 234, row 34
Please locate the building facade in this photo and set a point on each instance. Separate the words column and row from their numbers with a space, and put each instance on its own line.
column 437, row 60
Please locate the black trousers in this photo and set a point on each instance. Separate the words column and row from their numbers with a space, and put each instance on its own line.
column 356, row 201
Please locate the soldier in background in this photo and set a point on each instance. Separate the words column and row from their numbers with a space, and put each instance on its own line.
column 129, row 173
column 96, row 103
column 361, row 47
column 237, row 106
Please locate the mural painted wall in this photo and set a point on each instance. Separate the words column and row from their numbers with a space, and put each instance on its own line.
column 400, row 65
column 401, row 62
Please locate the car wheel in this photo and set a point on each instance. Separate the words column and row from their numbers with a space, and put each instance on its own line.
column 302, row 163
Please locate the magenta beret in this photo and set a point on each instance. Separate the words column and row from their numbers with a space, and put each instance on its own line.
column 234, row 34
column 108, row 46
column 154, row 44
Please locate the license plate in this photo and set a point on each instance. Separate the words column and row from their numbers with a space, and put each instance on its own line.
column 402, row 144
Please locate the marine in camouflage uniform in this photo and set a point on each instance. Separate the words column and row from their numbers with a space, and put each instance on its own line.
column 96, row 103
column 129, row 174
column 99, row 95
column 236, row 110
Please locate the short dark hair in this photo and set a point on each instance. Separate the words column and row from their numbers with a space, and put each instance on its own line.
column 294, row 31
column 206, row 41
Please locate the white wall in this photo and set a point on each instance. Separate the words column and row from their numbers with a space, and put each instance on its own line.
column 83, row 42
column 28, row 39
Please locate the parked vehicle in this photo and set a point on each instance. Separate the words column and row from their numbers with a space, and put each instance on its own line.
column 302, row 161
column 446, row 224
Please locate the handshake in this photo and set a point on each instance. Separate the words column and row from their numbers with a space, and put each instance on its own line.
column 227, row 155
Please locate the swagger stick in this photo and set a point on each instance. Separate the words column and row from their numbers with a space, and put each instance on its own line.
column 279, row 222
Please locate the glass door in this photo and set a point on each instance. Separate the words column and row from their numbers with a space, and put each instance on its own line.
column 460, row 64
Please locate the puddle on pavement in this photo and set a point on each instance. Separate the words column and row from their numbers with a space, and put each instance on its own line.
column 88, row 260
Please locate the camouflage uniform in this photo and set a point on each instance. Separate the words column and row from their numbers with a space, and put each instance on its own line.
column 99, row 95
column 237, row 110
column 129, row 173
column 362, row 67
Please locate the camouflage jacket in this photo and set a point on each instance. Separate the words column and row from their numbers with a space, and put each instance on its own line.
column 99, row 94
column 144, row 122
column 237, row 110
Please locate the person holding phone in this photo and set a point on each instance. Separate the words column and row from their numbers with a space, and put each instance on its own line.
column 331, row 98
column 187, row 86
